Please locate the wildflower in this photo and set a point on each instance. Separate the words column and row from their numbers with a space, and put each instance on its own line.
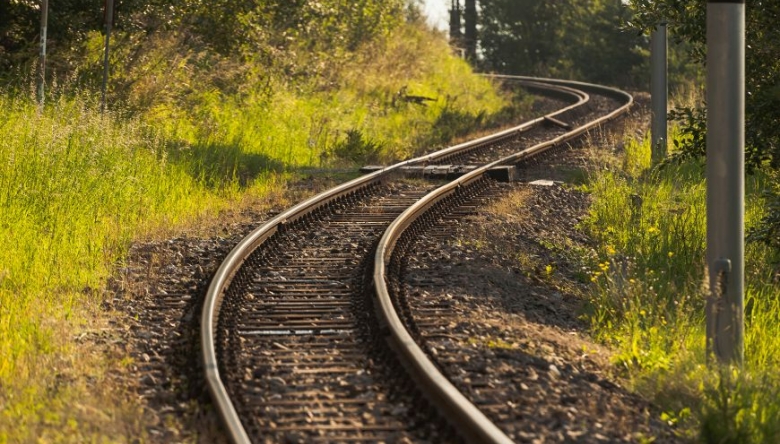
column 653, row 230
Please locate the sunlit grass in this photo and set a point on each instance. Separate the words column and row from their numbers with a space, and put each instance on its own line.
column 648, row 297
column 77, row 187
column 277, row 123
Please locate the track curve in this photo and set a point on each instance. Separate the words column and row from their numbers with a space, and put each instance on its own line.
column 298, row 293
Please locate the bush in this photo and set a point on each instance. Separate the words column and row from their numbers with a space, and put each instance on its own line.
column 768, row 231
column 358, row 149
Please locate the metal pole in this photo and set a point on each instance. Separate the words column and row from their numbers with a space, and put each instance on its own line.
column 42, row 56
column 659, row 92
column 470, row 34
column 726, row 179
column 109, row 21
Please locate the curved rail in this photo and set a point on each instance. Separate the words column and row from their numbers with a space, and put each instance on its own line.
column 232, row 263
column 462, row 413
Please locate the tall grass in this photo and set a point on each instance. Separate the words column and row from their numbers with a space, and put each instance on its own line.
column 280, row 122
column 649, row 293
column 76, row 187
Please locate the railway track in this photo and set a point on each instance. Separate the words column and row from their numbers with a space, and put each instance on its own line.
column 307, row 333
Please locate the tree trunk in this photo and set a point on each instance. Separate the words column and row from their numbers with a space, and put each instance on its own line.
column 456, row 36
column 470, row 15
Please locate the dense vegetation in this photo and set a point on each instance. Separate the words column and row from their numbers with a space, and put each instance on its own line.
column 210, row 105
column 589, row 40
column 648, row 294
column 572, row 39
column 650, row 279
column 687, row 23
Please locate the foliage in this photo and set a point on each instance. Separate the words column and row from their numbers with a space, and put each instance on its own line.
column 649, row 290
column 453, row 123
column 358, row 149
column 270, row 30
column 768, row 231
column 568, row 38
column 17, row 25
column 190, row 130
column 687, row 22
column 691, row 142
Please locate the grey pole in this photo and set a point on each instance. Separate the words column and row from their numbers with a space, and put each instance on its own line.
column 470, row 29
column 726, row 179
column 109, row 20
column 659, row 92
column 42, row 56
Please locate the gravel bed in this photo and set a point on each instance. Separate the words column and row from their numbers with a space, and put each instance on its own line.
column 507, row 289
column 519, row 328
column 154, row 304
column 511, row 337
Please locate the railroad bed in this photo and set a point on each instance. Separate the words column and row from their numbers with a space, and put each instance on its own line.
column 306, row 327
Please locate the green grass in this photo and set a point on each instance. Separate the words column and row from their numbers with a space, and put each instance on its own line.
column 282, row 122
column 77, row 187
column 648, row 297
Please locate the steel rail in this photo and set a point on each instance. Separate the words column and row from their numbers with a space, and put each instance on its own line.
column 461, row 412
column 233, row 261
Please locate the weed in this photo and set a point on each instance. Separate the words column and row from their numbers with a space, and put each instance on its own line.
column 199, row 133
column 358, row 149
column 647, row 298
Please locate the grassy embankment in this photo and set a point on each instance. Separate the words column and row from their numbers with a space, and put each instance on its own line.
column 649, row 294
column 77, row 187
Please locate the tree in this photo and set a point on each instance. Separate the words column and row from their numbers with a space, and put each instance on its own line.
column 259, row 29
column 567, row 38
column 519, row 36
column 687, row 22
column 18, row 28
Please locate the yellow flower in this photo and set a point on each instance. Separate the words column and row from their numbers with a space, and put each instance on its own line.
column 610, row 250
column 670, row 254
column 653, row 230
